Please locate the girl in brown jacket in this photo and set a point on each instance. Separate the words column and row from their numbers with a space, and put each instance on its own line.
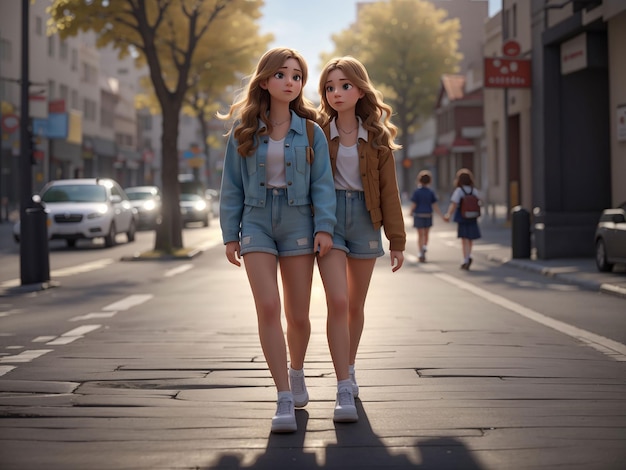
column 360, row 135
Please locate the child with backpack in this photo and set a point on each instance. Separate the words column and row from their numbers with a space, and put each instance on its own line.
column 424, row 201
column 465, row 205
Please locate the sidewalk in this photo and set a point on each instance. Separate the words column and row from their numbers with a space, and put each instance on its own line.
column 578, row 271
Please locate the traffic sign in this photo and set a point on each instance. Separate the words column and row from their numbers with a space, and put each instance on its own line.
column 10, row 122
column 511, row 48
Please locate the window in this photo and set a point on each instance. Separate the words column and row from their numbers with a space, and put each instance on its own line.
column 106, row 117
column 74, row 61
column 51, row 90
column 505, row 25
column 64, row 93
column 6, row 54
column 89, row 109
column 145, row 122
column 51, row 46
column 63, row 49
column 74, row 101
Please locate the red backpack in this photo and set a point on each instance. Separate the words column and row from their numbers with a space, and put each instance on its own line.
column 470, row 205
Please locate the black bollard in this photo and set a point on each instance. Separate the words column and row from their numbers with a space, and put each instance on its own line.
column 34, row 236
column 520, row 232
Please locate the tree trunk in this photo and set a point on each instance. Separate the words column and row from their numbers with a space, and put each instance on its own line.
column 169, row 234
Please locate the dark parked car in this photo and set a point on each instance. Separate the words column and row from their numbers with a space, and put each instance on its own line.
column 610, row 238
column 147, row 201
column 195, row 208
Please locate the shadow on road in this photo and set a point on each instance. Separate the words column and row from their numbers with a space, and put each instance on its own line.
column 357, row 447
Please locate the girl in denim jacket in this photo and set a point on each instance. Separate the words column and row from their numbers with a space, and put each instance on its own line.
column 360, row 135
column 270, row 185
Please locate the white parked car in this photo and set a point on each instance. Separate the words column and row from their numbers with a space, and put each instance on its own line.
column 85, row 209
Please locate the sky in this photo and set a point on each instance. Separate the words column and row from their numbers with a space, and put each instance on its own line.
column 309, row 26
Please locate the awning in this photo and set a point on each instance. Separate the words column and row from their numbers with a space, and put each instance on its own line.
column 441, row 150
column 461, row 144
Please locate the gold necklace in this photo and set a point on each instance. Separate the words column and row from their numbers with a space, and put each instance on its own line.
column 274, row 123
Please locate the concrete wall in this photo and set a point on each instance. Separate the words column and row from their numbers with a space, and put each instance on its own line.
column 617, row 97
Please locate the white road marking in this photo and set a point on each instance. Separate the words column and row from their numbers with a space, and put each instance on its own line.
column 10, row 312
column 43, row 339
column 81, row 268
column 26, row 356
column 5, row 370
column 178, row 270
column 90, row 316
column 128, row 302
column 73, row 335
column 605, row 345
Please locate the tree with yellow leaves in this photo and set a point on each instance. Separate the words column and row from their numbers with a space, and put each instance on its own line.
column 406, row 45
column 173, row 37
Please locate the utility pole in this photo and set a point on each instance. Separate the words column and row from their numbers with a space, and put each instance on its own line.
column 34, row 254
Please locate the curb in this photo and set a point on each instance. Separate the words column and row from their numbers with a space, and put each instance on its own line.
column 28, row 288
column 570, row 279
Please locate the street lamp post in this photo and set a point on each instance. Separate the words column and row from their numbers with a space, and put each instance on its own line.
column 34, row 255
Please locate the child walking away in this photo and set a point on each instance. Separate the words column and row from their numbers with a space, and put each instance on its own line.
column 270, row 182
column 360, row 138
column 424, row 201
column 465, row 215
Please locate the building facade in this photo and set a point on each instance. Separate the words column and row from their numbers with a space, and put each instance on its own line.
column 577, row 121
column 426, row 150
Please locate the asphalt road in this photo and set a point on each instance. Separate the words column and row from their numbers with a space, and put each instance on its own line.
column 157, row 365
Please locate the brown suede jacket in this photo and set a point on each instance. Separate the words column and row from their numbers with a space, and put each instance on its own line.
column 382, row 198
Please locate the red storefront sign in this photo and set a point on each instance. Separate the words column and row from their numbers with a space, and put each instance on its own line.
column 507, row 73
column 56, row 106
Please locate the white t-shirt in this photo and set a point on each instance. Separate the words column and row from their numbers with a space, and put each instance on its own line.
column 275, row 164
column 458, row 193
column 347, row 175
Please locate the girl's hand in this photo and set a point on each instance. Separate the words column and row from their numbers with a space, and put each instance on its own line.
column 322, row 243
column 397, row 259
column 233, row 250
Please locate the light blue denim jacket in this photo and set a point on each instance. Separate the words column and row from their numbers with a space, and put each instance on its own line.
column 244, row 179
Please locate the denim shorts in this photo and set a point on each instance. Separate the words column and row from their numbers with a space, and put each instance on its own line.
column 354, row 232
column 277, row 228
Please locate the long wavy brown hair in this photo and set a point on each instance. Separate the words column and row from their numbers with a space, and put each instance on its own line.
column 373, row 111
column 254, row 102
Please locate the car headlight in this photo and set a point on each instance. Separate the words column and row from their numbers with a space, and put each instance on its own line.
column 199, row 206
column 149, row 205
column 100, row 211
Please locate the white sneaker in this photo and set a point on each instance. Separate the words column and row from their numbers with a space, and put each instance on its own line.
column 285, row 418
column 345, row 410
column 355, row 386
column 298, row 387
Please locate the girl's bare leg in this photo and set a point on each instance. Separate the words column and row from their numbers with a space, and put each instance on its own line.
column 421, row 240
column 297, row 276
column 262, row 275
column 467, row 248
column 332, row 269
column 359, row 276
